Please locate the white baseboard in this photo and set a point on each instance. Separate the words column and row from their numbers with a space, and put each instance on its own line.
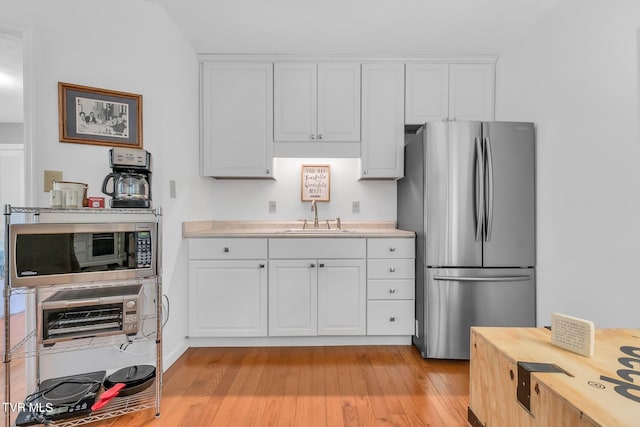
column 169, row 358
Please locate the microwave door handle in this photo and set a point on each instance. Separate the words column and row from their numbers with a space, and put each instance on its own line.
column 82, row 302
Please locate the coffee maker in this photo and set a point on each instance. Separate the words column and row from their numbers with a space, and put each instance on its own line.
column 131, row 178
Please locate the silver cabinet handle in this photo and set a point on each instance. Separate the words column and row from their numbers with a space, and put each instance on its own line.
column 261, row 265
column 482, row 279
column 320, row 136
column 312, row 265
column 313, row 136
column 392, row 291
column 321, row 265
column 225, row 250
column 392, row 249
column 392, row 269
column 392, row 319
column 267, row 171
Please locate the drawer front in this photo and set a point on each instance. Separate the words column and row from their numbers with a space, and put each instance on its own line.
column 227, row 248
column 317, row 247
column 391, row 289
column 391, row 268
column 390, row 317
column 391, row 248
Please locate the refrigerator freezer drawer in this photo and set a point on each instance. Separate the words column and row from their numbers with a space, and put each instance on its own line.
column 458, row 299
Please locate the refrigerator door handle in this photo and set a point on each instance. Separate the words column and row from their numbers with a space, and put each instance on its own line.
column 489, row 190
column 483, row 279
column 479, row 188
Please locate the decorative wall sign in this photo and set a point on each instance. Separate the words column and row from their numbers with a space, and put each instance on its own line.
column 90, row 115
column 315, row 183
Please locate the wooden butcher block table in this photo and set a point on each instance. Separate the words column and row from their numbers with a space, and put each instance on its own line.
column 507, row 377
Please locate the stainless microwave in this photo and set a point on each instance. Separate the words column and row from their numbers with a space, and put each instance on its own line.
column 49, row 254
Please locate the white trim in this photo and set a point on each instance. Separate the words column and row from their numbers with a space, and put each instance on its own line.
column 449, row 59
column 173, row 356
column 11, row 146
column 299, row 341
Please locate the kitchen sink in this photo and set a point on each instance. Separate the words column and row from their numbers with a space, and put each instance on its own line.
column 315, row 231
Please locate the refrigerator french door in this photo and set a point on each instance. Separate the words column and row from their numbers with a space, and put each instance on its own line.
column 469, row 194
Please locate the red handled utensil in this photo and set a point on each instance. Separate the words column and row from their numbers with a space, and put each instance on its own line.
column 107, row 396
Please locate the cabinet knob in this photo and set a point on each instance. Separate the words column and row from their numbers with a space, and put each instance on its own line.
column 446, row 119
column 392, row 249
column 365, row 172
column 392, row 319
column 226, row 250
column 320, row 136
column 392, row 290
column 267, row 171
column 321, row 265
column 453, row 119
column 261, row 265
column 392, row 269
column 312, row 265
column 312, row 136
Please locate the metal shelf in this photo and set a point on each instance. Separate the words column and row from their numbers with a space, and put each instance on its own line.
column 29, row 347
column 145, row 399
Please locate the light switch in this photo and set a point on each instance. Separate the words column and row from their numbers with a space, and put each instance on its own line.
column 355, row 206
column 272, row 206
column 172, row 188
column 49, row 177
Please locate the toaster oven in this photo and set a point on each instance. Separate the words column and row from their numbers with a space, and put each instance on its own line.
column 90, row 312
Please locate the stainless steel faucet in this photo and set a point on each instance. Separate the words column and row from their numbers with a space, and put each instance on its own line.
column 314, row 208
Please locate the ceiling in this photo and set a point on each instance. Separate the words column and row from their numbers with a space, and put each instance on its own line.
column 355, row 26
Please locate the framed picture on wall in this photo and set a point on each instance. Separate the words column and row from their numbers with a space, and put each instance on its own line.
column 315, row 183
column 89, row 115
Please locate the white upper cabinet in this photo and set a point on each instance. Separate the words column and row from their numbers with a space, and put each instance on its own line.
column 471, row 91
column 382, row 146
column 316, row 102
column 442, row 92
column 237, row 120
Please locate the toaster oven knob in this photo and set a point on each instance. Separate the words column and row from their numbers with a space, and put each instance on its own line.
column 131, row 304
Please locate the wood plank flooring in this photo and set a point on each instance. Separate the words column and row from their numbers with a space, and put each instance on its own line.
column 309, row 386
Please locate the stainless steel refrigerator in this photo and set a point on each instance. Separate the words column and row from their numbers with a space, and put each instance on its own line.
column 469, row 194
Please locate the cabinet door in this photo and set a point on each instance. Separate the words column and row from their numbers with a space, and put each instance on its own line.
column 227, row 298
column 293, row 298
column 295, row 102
column 339, row 102
column 342, row 297
column 427, row 93
column 382, row 146
column 237, row 120
column 471, row 92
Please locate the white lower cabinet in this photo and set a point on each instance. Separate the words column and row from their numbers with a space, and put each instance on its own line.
column 324, row 294
column 293, row 297
column 304, row 287
column 390, row 286
column 227, row 288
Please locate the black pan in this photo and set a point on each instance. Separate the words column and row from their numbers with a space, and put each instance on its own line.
column 135, row 379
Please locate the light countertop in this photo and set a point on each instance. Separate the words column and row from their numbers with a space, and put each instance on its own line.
column 197, row 229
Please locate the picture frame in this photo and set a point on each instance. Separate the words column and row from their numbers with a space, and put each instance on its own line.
column 315, row 183
column 90, row 115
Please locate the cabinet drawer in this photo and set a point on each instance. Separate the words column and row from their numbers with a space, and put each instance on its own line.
column 390, row 317
column 391, row 268
column 317, row 247
column 391, row 248
column 391, row 289
column 227, row 248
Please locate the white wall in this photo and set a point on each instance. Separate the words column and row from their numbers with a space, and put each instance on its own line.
column 576, row 76
column 129, row 46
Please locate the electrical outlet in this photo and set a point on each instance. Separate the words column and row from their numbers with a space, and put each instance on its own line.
column 272, row 206
column 172, row 188
column 355, row 206
column 49, row 177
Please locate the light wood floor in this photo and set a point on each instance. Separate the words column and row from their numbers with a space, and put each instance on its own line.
column 309, row 386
